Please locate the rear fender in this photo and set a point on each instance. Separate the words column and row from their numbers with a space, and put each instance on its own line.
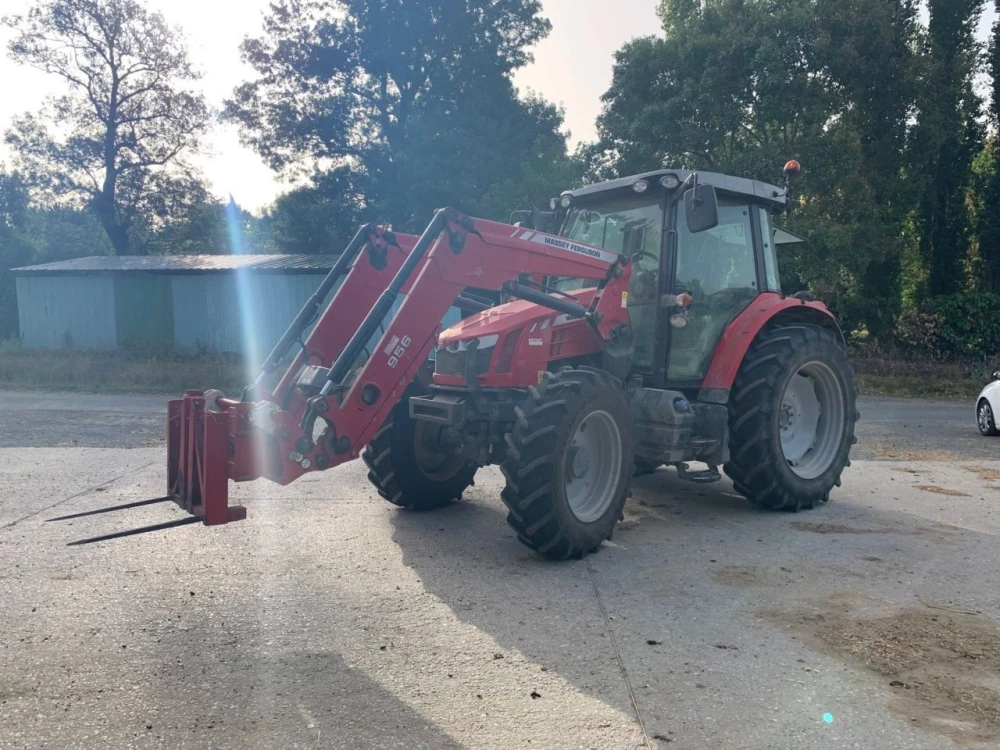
column 743, row 330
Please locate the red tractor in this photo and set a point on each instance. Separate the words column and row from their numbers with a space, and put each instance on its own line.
column 650, row 329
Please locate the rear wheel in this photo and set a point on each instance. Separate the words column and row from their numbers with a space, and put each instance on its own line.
column 415, row 464
column 791, row 418
column 569, row 463
column 987, row 419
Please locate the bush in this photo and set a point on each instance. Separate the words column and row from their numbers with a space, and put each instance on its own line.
column 961, row 325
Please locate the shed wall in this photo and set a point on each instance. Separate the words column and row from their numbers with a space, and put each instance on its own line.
column 61, row 311
column 215, row 311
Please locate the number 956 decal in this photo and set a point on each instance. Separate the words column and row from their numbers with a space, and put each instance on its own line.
column 396, row 349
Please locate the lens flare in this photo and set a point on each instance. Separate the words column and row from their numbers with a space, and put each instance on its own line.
column 244, row 293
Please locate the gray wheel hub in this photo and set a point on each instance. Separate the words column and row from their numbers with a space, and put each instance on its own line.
column 593, row 466
column 811, row 419
column 985, row 417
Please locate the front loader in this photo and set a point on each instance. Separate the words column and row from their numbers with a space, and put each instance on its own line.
column 650, row 329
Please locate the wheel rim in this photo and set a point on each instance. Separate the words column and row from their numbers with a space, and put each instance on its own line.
column 811, row 420
column 593, row 466
column 985, row 417
column 435, row 456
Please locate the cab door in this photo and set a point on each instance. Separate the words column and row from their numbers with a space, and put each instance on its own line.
column 720, row 269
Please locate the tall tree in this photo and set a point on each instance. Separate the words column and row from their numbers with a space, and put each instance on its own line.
column 336, row 76
column 414, row 98
column 739, row 86
column 15, row 248
column 128, row 117
column 946, row 140
column 988, row 213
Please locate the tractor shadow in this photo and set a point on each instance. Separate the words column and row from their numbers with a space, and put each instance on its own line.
column 469, row 558
column 679, row 546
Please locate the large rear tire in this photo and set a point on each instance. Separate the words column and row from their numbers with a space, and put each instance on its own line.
column 792, row 413
column 569, row 463
column 412, row 464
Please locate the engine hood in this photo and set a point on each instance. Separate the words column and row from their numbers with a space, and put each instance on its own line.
column 498, row 320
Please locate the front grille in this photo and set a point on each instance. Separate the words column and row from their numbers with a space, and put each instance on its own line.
column 449, row 363
column 453, row 363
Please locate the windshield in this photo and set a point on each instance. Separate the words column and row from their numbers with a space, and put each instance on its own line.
column 625, row 225
column 632, row 226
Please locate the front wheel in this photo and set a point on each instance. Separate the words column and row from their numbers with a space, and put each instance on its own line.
column 791, row 418
column 416, row 464
column 569, row 462
column 987, row 419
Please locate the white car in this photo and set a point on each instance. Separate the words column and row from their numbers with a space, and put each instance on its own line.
column 988, row 407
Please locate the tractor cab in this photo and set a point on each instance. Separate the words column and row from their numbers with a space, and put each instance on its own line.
column 689, row 282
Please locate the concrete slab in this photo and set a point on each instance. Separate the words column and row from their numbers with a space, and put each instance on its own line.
column 329, row 619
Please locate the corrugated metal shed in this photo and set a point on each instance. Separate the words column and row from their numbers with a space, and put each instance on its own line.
column 172, row 264
column 190, row 303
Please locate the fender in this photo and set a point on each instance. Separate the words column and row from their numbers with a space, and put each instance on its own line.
column 743, row 330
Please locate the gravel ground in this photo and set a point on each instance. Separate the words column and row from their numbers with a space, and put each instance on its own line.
column 329, row 619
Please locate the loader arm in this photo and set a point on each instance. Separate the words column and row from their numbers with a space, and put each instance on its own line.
column 338, row 390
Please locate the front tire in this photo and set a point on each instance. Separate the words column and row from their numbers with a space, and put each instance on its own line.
column 569, row 463
column 792, row 413
column 986, row 419
column 412, row 465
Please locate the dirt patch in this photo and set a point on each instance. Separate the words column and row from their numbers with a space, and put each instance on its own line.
column 890, row 452
column 987, row 475
column 940, row 490
column 939, row 532
column 835, row 528
column 741, row 576
column 941, row 671
column 907, row 470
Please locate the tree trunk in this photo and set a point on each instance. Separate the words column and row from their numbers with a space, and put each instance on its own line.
column 117, row 233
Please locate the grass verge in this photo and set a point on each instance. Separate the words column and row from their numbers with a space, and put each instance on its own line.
column 116, row 372
column 885, row 376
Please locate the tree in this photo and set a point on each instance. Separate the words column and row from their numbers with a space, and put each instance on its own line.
column 740, row 86
column 320, row 217
column 336, row 77
column 15, row 248
column 128, row 118
column 947, row 138
column 414, row 99
column 988, row 195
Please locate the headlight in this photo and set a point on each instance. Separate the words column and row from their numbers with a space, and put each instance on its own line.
column 670, row 181
column 640, row 186
column 566, row 201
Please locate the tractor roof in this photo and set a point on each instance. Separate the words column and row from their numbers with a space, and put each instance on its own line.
column 737, row 186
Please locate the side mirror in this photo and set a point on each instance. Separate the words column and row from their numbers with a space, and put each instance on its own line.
column 518, row 218
column 996, row 375
column 542, row 220
column 701, row 207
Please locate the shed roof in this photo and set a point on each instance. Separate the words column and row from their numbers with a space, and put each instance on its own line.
column 175, row 264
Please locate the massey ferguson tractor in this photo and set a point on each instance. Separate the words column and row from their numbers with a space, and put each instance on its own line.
column 649, row 328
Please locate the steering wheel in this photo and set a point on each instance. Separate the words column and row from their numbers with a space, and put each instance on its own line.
column 640, row 254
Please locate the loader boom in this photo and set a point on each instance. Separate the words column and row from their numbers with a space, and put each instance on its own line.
column 335, row 394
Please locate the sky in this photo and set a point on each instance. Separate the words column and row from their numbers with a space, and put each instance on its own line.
column 572, row 67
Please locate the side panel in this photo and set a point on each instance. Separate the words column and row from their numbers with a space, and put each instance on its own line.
column 744, row 329
column 244, row 313
column 144, row 311
column 58, row 312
